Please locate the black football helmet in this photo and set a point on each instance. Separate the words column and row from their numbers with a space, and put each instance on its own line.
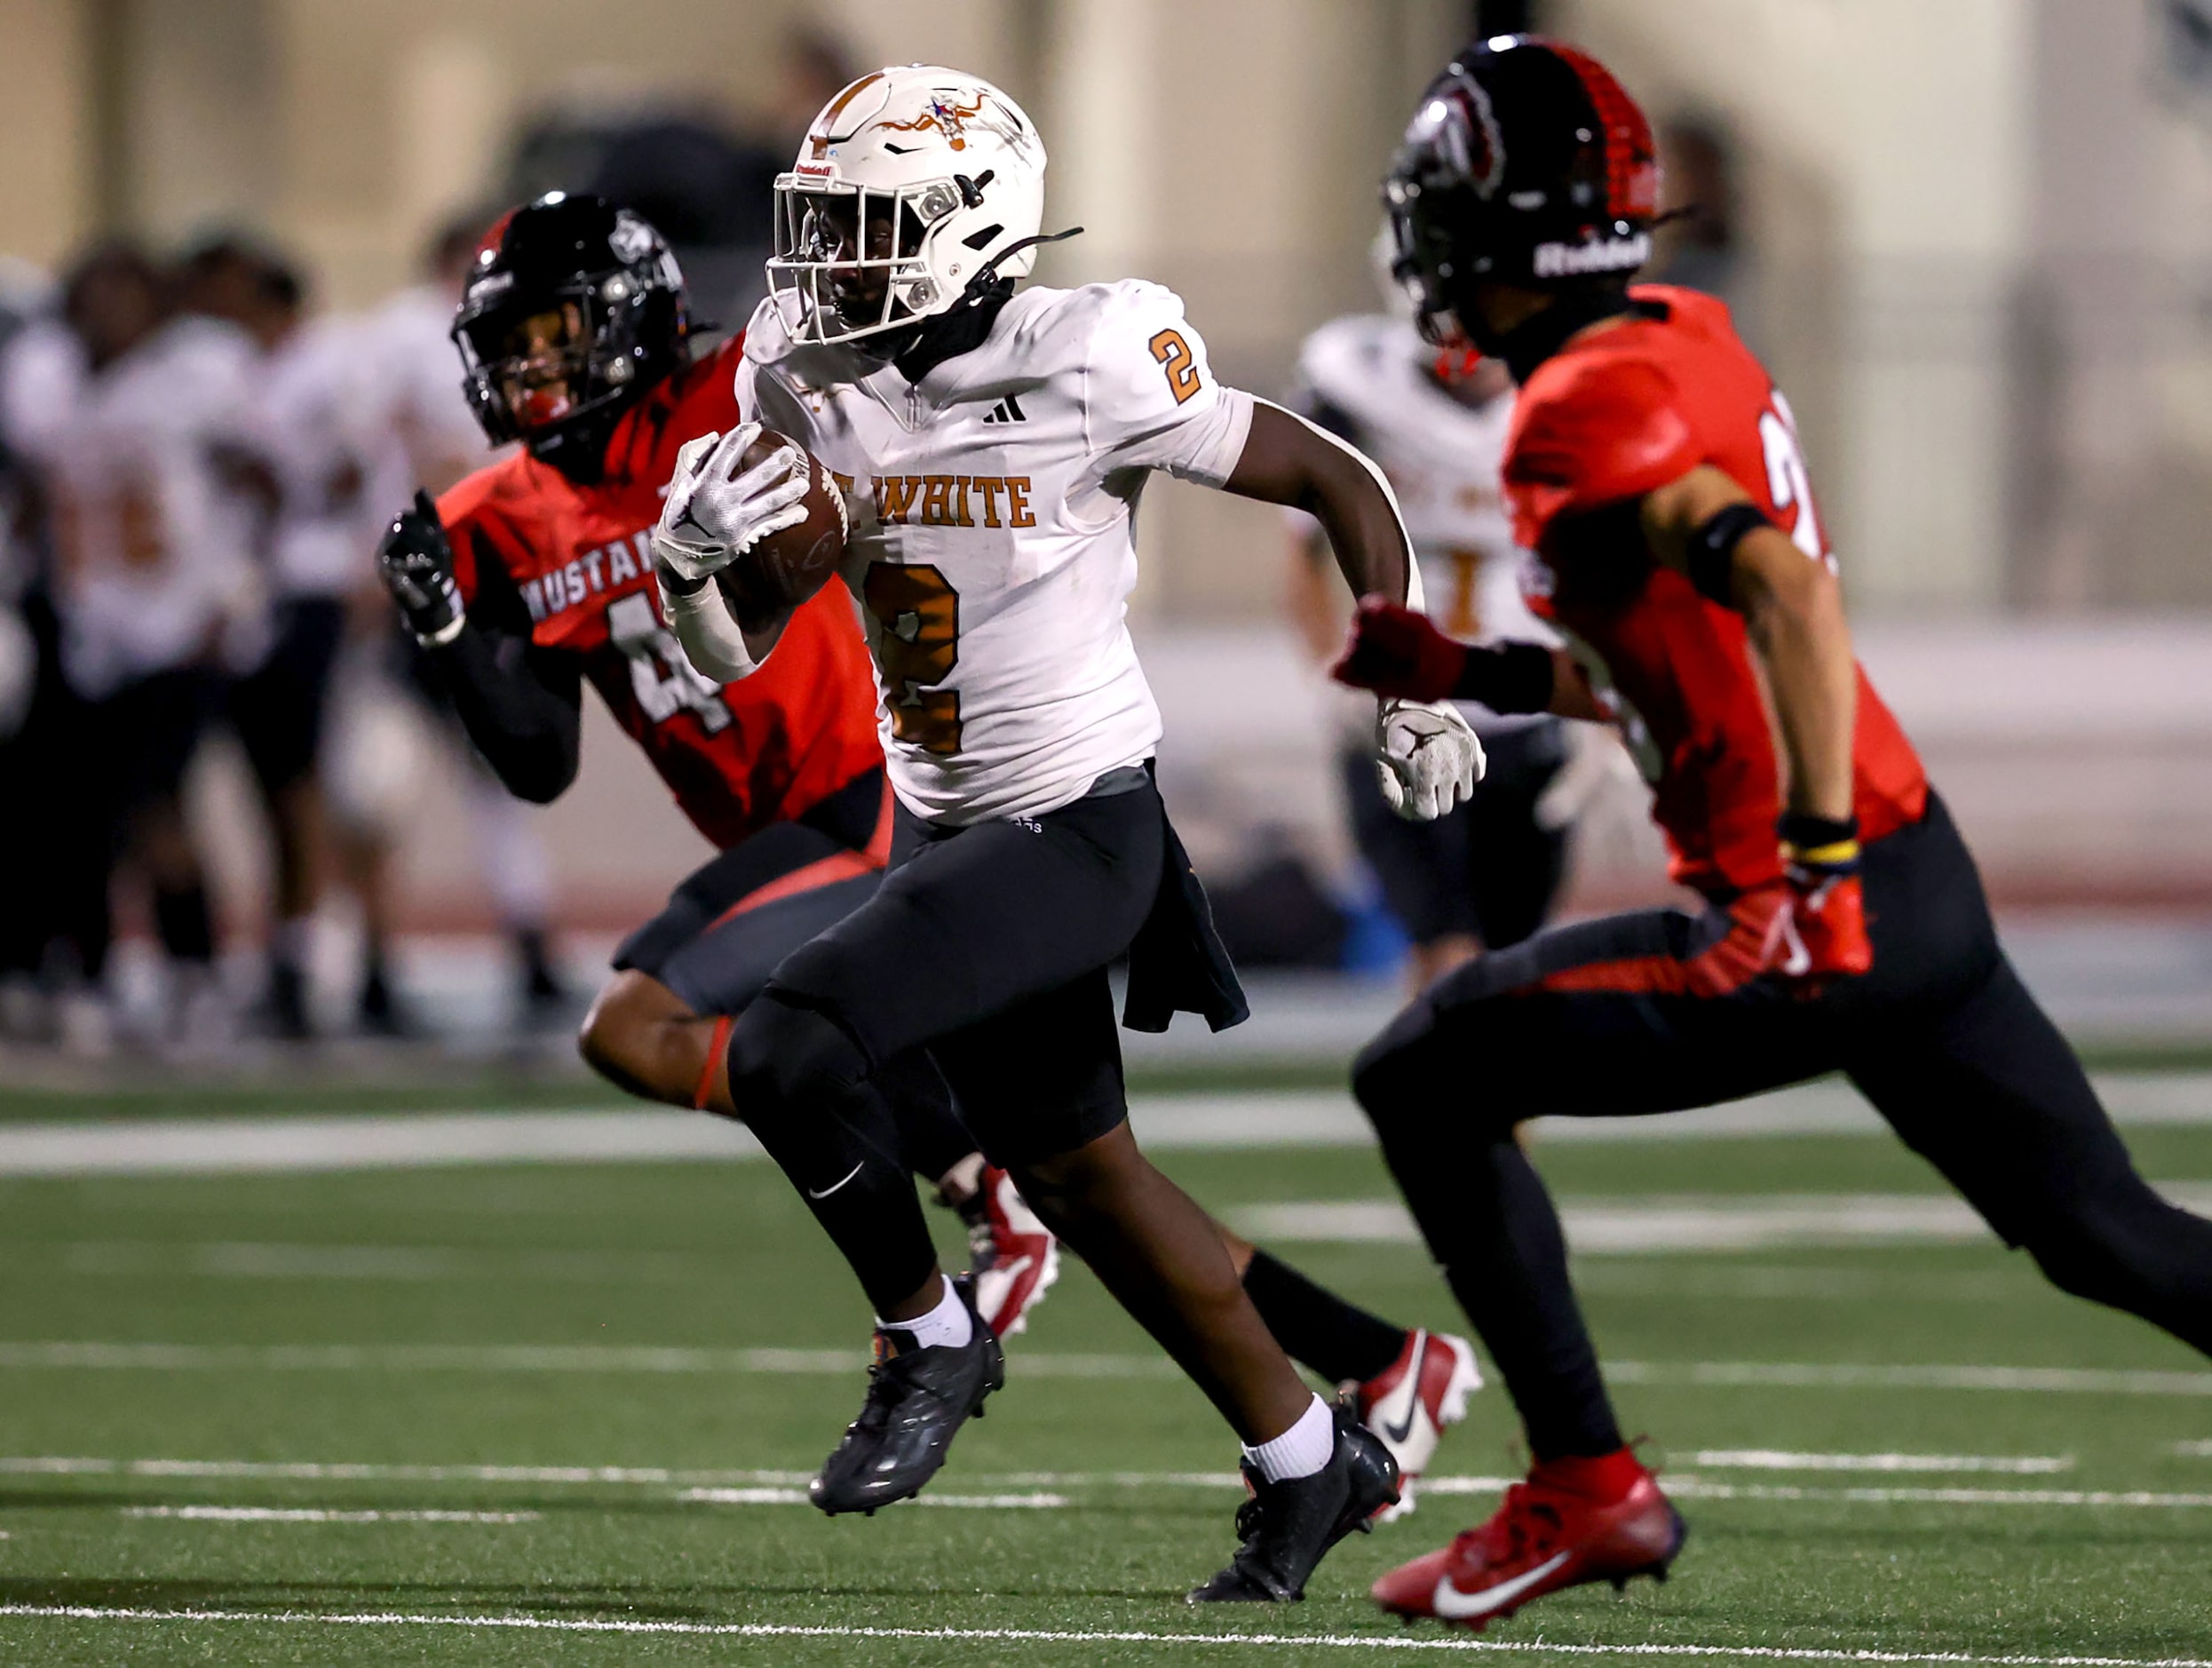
column 1528, row 164
column 572, row 311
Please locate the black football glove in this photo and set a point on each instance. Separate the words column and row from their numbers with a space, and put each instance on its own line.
column 416, row 563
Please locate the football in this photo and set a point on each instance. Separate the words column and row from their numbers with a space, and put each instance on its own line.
column 786, row 568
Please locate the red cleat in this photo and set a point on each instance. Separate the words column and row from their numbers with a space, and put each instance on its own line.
column 1547, row 1537
column 1016, row 1259
column 1409, row 1402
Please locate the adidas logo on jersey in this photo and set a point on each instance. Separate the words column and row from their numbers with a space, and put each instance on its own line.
column 1007, row 410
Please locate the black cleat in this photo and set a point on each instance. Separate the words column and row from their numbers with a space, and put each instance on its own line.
column 917, row 1400
column 1287, row 1527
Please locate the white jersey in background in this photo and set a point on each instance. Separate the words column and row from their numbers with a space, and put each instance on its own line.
column 408, row 377
column 1368, row 376
column 155, row 564
column 313, row 433
column 992, row 544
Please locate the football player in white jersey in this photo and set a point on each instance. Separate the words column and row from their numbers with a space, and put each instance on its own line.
column 994, row 445
column 127, row 412
column 1486, row 875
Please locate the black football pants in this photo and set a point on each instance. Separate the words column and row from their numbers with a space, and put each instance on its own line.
column 733, row 919
column 987, row 947
column 1593, row 1021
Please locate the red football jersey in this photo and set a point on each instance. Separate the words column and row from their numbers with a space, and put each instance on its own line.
column 737, row 756
column 1605, row 421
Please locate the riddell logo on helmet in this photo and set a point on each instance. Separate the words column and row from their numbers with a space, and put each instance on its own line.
column 1574, row 261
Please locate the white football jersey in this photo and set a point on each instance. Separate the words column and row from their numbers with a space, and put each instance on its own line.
column 155, row 567
column 993, row 541
column 408, row 386
column 1369, row 373
column 318, row 438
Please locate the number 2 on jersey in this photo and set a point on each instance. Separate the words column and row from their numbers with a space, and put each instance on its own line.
column 1788, row 479
column 1175, row 358
column 919, row 644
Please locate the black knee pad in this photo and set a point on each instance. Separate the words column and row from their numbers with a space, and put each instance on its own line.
column 782, row 1055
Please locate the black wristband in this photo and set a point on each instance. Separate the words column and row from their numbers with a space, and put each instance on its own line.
column 1712, row 554
column 1509, row 678
column 1808, row 833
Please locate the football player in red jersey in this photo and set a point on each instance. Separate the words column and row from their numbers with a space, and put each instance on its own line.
column 533, row 577
column 1654, row 468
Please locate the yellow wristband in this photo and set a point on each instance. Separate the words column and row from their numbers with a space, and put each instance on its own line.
column 1834, row 852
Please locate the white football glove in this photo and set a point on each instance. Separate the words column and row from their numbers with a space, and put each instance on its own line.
column 1427, row 756
column 713, row 515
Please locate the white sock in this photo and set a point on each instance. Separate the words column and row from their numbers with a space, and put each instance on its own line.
column 1299, row 1451
column 949, row 1323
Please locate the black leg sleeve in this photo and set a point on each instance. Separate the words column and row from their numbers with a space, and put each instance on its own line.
column 801, row 1084
column 1491, row 1226
column 1993, row 1097
column 1316, row 1328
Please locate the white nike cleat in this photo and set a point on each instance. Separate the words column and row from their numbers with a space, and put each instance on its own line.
column 1410, row 1403
column 1015, row 1258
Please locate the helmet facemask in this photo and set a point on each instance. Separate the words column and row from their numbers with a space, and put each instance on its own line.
column 854, row 261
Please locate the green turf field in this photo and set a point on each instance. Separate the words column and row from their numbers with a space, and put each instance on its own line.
column 495, row 1415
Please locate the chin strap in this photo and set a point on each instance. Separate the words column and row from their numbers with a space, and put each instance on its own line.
column 963, row 325
column 987, row 274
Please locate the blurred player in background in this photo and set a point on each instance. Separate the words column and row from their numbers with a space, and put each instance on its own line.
column 319, row 538
column 136, row 419
column 1486, row 874
column 1655, row 468
column 426, row 435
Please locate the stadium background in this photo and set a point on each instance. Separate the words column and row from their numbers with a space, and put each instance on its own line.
column 1971, row 237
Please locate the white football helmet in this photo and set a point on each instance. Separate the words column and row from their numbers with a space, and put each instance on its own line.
column 911, row 182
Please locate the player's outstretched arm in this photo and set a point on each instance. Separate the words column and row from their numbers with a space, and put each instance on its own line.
column 1427, row 756
column 523, row 708
column 1288, row 460
column 1704, row 525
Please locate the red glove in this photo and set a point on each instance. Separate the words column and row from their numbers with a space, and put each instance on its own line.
column 1827, row 900
column 1395, row 650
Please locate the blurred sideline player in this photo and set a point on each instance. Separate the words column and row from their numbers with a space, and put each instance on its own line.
column 532, row 577
column 1655, row 469
column 318, row 542
column 994, row 446
column 129, row 413
column 425, row 433
column 1487, row 874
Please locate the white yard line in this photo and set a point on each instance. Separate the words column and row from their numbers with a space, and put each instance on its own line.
column 1774, row 1459
column 1042, row 1490
column 587, row 1358
column 1043, row 1636
column 321, row 1515
column 1662, row 1224
column 1314, row 1118
column 797, row 1497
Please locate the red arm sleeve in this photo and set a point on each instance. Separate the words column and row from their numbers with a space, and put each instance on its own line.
column 1594, row 435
